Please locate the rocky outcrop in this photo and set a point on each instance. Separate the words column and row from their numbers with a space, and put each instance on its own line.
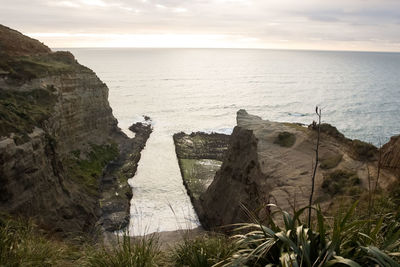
column 115, row 188
column 57, row 132
column 390, row 155
column 239, row 181
column 201, row 145
column 272, row 162
column 199, row 156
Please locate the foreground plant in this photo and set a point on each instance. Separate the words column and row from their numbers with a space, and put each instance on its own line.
column 21, row 245
column 344, row 244
column 129, row 252
column 202, row 251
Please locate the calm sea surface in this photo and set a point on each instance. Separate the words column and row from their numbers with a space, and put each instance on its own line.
column 201, row 90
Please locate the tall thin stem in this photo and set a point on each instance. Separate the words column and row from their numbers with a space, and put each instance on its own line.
column 318, row 111
column 378, row 174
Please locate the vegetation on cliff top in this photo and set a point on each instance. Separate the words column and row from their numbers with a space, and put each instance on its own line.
column 341, row 182
column 25, row 68
column 20, row 112
column 285, row 139
column 23, row 58
column 15, row 43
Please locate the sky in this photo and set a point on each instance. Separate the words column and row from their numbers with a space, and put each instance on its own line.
column 364, row 25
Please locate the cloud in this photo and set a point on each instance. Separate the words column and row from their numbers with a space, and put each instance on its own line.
column 261, row 22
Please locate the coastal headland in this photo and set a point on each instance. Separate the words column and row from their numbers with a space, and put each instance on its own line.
column 63, row 159
column 265, row 162
column 65, row 165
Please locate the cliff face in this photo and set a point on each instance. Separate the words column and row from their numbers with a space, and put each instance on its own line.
column 391, row 155
column 55, row 117
column 272, row 162
column 239, row 181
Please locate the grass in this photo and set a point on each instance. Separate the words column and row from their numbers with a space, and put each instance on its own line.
column 87, row 171
column 332, row 131
column 129, row 252
column 202, row 251
column 363, row 150
column 285, row 139
column 331, row 162
column 30, row 67
column 341, row 182
column 348, row 239
column 22, row 245
column 20, row 112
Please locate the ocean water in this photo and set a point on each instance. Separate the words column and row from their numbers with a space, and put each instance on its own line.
column 201, row 90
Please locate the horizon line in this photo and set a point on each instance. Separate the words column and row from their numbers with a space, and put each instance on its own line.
column 222, row 48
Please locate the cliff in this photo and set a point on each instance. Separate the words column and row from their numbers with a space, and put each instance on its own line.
column 390, row 155
column 57, row 134
column 272, row 162
column 239, row 180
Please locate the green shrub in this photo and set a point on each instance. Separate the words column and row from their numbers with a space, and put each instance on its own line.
column 129, row 252
column 285, row 139
column 331, row 131
column 363, row 150
column 88, row 171
column 202, row 251
column 294, row 244
column 331, row 162
column 41, row 65
column 340, row 182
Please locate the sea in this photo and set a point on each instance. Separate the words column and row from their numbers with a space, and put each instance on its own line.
column 202, row 89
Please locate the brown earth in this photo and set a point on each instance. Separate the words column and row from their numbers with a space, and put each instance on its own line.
column 14, row 43
column 264, row 165
column 391, row 155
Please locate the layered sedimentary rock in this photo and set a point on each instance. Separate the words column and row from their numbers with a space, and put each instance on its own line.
column 57, row 132
column 271, row 162
column 390, row 155
column 239, row 180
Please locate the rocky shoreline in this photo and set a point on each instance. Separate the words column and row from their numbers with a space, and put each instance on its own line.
column 116, row 193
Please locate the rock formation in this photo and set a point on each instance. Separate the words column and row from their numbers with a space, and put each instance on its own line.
column 220, row 204
column 115, row 188
column 199, row 156
column 390, row 157
column 57, row 133
column 272, row 162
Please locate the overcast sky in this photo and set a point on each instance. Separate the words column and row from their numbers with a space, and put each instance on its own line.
column 294, row 24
